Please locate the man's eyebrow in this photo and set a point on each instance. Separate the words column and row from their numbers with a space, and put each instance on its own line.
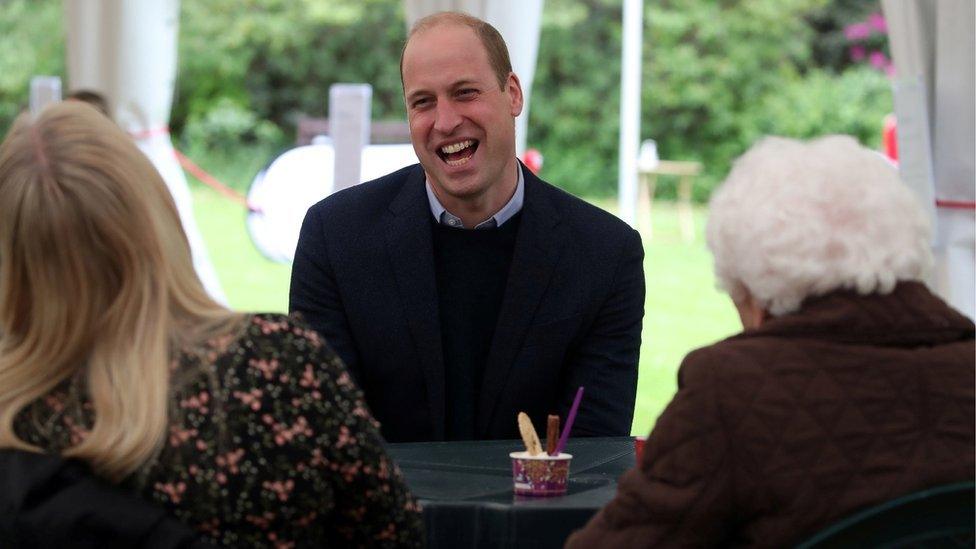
column 413, row 94
column 463, row 82
column 416, row 93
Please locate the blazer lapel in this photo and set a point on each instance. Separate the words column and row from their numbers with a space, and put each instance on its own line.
column 538, row 244
column 410, row 246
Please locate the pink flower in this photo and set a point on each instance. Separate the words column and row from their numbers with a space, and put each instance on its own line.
column 877, row 22
column 858, row 53
column 857, row 31
column 251, row 398
column 178, row 436
column 261, row 521
column 55, row 402
column 280, row 489
column 308, row 377
column 266, row 367
column 230, row 460
column 173, row 490
column 344, row 437
column 197, row 402
column 879, row 60
column 306, row 520
column 284, row 434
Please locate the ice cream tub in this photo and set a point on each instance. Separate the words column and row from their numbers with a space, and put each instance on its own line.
column 540, row 475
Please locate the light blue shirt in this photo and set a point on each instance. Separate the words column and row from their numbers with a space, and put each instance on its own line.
column 511, row 208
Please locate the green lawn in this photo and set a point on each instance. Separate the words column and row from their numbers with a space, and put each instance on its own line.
column 683, row 310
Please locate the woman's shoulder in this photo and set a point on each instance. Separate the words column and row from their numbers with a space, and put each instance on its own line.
column 731, row 359
column 276, row 336
column 280, row 327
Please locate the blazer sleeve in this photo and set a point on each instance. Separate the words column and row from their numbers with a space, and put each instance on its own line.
column 680, row 494
column 604, row 360
column 314, row 293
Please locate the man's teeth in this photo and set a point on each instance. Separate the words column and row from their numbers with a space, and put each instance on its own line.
column 456, row 147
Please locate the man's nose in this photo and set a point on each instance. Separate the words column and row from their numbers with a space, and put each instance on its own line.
column 447, row 117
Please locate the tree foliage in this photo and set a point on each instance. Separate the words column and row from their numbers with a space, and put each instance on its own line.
column 31, row 44
column 717, row 75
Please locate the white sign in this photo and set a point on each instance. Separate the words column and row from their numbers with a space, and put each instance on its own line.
column 349, row 119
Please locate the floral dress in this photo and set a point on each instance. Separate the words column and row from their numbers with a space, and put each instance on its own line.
column 269, row 444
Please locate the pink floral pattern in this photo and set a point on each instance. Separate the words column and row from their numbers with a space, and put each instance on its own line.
column 270, row 445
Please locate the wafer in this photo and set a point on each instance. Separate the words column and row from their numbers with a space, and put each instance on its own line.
column 529, row 436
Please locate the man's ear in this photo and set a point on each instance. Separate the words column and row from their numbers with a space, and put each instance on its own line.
column 514, row 89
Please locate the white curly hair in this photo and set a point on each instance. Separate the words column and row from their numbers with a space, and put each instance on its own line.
column 799, row 219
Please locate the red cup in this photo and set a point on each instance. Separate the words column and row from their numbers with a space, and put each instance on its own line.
column 639, row 447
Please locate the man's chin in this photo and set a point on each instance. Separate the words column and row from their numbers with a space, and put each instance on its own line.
column 458, row 188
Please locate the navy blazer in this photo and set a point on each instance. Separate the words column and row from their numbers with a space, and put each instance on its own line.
column 571, row 315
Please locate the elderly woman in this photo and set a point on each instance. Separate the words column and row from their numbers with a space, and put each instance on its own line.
column 246, row 427
column 850, row 385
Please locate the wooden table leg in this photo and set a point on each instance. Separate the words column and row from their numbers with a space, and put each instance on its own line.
column 646, row 199
column 684, row 209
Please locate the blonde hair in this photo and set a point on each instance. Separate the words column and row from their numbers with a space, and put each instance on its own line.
column 96, row 279
column 800, row 219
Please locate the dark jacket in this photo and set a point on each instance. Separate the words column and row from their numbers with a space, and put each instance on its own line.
column 571, row 315
column 780, row 431
column 48, row 502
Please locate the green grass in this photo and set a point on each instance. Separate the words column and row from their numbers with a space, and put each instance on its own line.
column 683, row 310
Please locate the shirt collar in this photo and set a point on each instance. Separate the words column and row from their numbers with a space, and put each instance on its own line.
column 514, row 205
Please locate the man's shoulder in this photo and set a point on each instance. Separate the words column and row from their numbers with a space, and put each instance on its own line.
column 582, row 215
column 367, row 198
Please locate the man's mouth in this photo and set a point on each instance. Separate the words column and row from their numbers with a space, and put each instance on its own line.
column 458, row 154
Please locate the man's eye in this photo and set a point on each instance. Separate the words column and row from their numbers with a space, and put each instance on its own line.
column 420, row 103
column 467, row 92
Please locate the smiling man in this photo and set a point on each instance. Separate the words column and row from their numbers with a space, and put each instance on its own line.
column 463, row 290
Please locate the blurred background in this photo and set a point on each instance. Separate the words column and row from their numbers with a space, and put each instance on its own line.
column 717, row 75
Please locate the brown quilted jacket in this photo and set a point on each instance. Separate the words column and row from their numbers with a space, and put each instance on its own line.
column 780, row 431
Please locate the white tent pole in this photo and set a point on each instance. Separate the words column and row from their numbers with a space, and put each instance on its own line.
column 932, row 45
column 630, row 108
column 126, row 51
column 913, row 52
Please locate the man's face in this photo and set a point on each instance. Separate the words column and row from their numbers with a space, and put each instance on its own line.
column 462, row 124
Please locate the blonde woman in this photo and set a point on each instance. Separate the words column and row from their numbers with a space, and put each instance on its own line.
column 245, row 427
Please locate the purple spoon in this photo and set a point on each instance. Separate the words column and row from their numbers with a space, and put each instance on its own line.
column 564, row 437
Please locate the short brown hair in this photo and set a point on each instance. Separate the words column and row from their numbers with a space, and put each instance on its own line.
column 490, row 38
column 93, row 98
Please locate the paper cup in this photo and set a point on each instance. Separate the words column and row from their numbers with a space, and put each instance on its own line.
column 541, row 475
column 639, row 447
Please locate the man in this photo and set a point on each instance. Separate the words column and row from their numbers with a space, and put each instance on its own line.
column 464, row 290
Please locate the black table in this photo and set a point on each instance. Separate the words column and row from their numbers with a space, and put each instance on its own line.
column 466, row 491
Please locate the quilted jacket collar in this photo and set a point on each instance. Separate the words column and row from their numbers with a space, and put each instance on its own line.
column 909, row 316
